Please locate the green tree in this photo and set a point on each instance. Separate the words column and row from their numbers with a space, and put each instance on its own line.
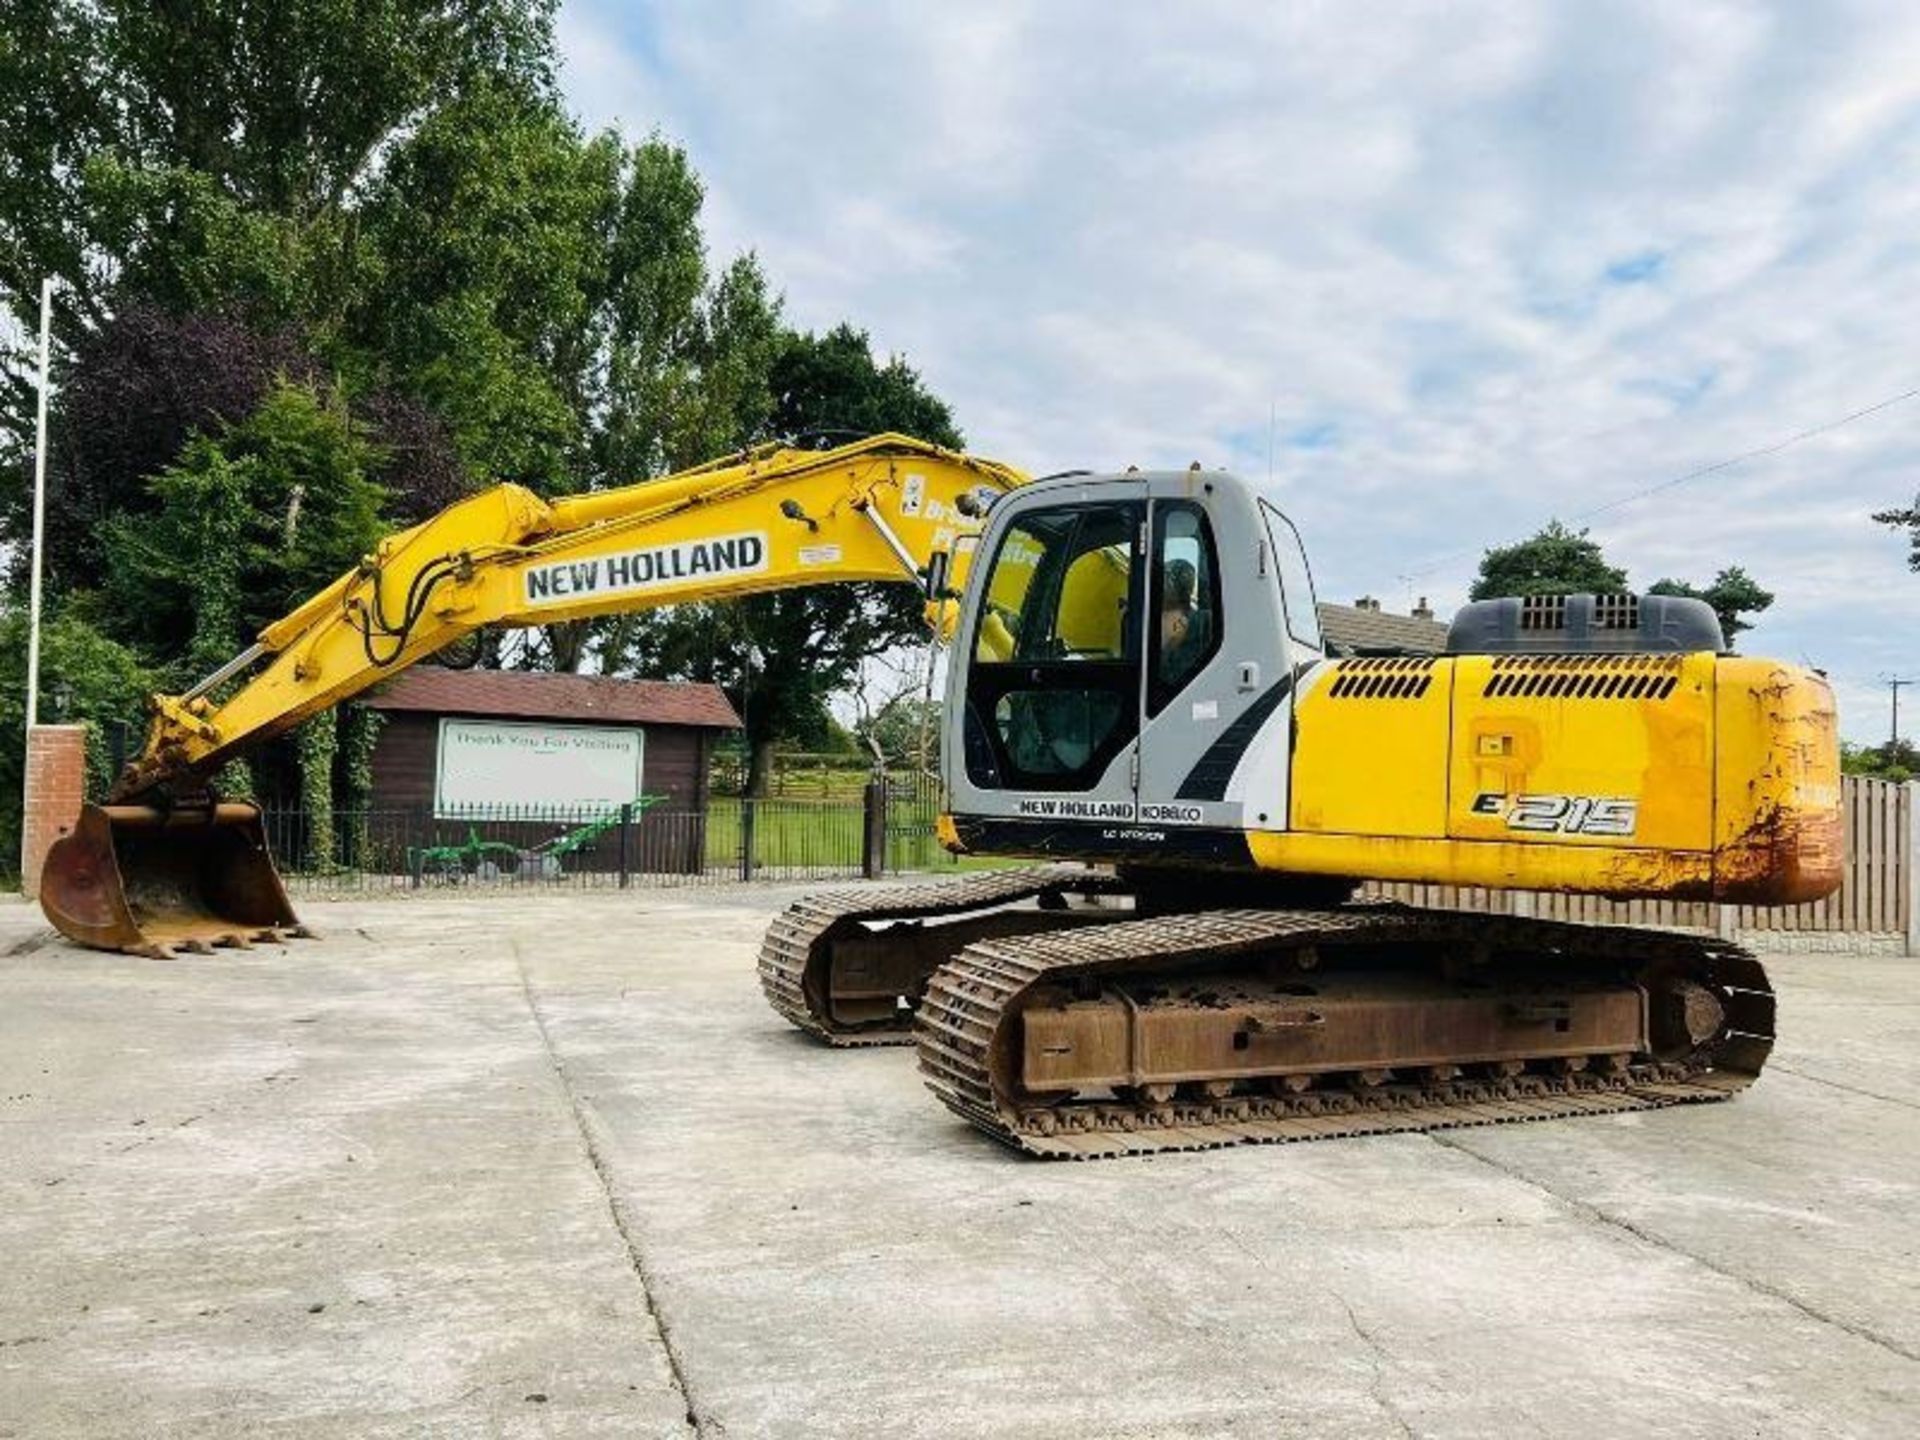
column 486, row 243
column 209, row 152
column 146, row 381
column 401, row 261
column 1907, row 519
column 1733, row 594
column 248, row 523
column 738, row 343
column 548, row 293
column 1557, row 561
column 655, row 285
column 1890, row 760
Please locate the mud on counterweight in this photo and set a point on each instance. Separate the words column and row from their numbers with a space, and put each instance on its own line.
column 797, row 955
column 970, row 1045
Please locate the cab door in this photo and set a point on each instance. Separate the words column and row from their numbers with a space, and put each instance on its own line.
column 1217, row 675
column 1047, row 701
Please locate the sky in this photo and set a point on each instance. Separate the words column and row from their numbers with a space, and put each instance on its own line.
column 1430, row 275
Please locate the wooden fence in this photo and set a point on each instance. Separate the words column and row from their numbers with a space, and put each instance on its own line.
column 1880, row 896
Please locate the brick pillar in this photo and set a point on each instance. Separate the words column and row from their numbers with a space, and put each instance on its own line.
column 56, row 787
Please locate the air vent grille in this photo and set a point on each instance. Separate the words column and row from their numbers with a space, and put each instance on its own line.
column 1584, row 677
column 1543, row 612
column 1610, row 612
column 1382, row 677
column 1616, row 612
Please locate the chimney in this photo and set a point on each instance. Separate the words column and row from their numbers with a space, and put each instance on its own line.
column 1366, row 602
column 1422, row 611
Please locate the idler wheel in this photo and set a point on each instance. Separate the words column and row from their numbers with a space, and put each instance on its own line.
column 1683, row 1015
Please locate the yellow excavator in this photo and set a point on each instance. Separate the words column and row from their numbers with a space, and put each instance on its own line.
column 1139, row 694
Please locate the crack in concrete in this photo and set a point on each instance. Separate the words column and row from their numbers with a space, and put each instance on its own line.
column 1842, row 1085
column 583, row 1127
column 1376, row 1353
column 1593, row 1212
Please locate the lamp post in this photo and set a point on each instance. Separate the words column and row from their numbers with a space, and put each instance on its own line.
column 39, row 505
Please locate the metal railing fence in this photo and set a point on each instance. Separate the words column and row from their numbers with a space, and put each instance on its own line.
column 587, row 847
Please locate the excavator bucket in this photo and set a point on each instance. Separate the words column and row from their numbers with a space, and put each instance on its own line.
column 155, row 882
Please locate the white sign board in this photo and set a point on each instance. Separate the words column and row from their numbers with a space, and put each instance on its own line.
column 487, row 763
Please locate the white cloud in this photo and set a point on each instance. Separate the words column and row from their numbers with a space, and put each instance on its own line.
column 1129, row 234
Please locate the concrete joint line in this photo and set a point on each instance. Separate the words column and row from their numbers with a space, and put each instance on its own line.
column 1590, row 1211
column 1841, row 1085
column 584, row 1128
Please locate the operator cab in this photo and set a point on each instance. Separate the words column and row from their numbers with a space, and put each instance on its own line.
column 1127, row 654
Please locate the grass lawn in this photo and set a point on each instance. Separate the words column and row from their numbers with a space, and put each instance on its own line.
column 804, row 834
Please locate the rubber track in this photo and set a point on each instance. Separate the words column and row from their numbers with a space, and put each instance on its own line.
column 974, row 998
column 797, row 941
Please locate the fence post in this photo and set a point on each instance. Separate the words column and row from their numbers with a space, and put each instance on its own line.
column 1912, row 789
column 116, row 747
column 747, row 804
column 1726, row 921
column 873, row 849
column 626, row 843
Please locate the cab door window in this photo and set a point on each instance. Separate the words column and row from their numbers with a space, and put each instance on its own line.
column 1052, row 693
column 1185, row 604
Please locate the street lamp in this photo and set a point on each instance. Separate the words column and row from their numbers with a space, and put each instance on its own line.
column 39, row 505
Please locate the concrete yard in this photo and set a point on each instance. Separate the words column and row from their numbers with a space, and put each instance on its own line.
column 510, row 1166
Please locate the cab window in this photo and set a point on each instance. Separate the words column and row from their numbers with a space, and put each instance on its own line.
column 1059, row 588
column 1053, row 692
column 1296, row 580
column 1185, row 604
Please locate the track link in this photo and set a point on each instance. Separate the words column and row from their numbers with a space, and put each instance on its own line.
column 968, row 1031
column 797, row 950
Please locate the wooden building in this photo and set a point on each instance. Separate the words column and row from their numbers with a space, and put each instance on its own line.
column 431, row 710
column 543, row 766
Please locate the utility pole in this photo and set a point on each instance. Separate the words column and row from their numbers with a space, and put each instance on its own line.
column 1894, row 685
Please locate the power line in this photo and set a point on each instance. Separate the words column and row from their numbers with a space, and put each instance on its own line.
column 1727, row 464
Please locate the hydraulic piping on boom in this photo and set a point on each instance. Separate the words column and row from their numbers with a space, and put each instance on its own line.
column 165, row 863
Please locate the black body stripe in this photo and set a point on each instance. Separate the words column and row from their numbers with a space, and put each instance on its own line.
column 1211, row 772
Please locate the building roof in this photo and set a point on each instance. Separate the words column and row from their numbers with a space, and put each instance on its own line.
column 534, row 695
column 1369, row 627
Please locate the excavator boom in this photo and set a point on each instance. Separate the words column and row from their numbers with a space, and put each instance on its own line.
column 163, row 864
